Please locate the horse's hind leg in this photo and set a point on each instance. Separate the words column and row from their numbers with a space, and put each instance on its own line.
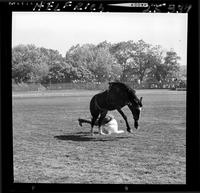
column 102, row 116
column 94, row 112
column 94, row 118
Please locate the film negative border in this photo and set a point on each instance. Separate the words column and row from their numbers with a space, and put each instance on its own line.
column 92, row 6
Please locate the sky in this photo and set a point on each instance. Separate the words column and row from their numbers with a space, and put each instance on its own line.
column 61, row 30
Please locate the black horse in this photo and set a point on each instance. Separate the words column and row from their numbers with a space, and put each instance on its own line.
column 115, row 97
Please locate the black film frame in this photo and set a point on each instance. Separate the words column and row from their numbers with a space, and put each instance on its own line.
column 192, row 124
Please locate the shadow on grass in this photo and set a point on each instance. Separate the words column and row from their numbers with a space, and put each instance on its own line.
column 83, row 136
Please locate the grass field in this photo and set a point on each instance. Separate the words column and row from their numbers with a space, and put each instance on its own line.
column 50, row 147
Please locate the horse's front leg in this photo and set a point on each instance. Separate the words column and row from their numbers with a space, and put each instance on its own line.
column 125, row 118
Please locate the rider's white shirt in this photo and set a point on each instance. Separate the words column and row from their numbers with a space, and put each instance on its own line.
column 111, row 127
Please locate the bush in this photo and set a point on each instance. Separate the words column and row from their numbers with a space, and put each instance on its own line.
column 68, row 86
column 28, row 87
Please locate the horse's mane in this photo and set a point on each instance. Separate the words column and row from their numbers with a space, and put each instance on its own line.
column 131, row 92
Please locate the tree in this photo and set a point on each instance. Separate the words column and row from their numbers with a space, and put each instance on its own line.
column 163, row 70
column 80, row 58
column 140, row 60
column 102, row 66
column 156, row 72
column 56, row 64
column 136, row 62
column 92, row 63
column 113, row 69
column 136, row 59
column 171, row 62
column 123, row 52
column 104, row 44
column 28, row 64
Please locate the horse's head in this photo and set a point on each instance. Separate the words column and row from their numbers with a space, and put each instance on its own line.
column 127, row 96
column 135, row 105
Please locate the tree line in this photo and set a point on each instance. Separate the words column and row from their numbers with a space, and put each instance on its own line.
column 137, row 62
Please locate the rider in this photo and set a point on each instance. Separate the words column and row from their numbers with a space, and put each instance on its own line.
column 109, row 124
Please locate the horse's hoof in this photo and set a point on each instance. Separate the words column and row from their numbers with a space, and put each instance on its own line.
column 130, row 131
column 101, row 133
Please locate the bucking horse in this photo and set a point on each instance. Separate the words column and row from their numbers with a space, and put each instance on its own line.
column 115, row 97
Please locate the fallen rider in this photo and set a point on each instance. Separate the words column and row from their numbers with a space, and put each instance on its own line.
column 109, row 125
